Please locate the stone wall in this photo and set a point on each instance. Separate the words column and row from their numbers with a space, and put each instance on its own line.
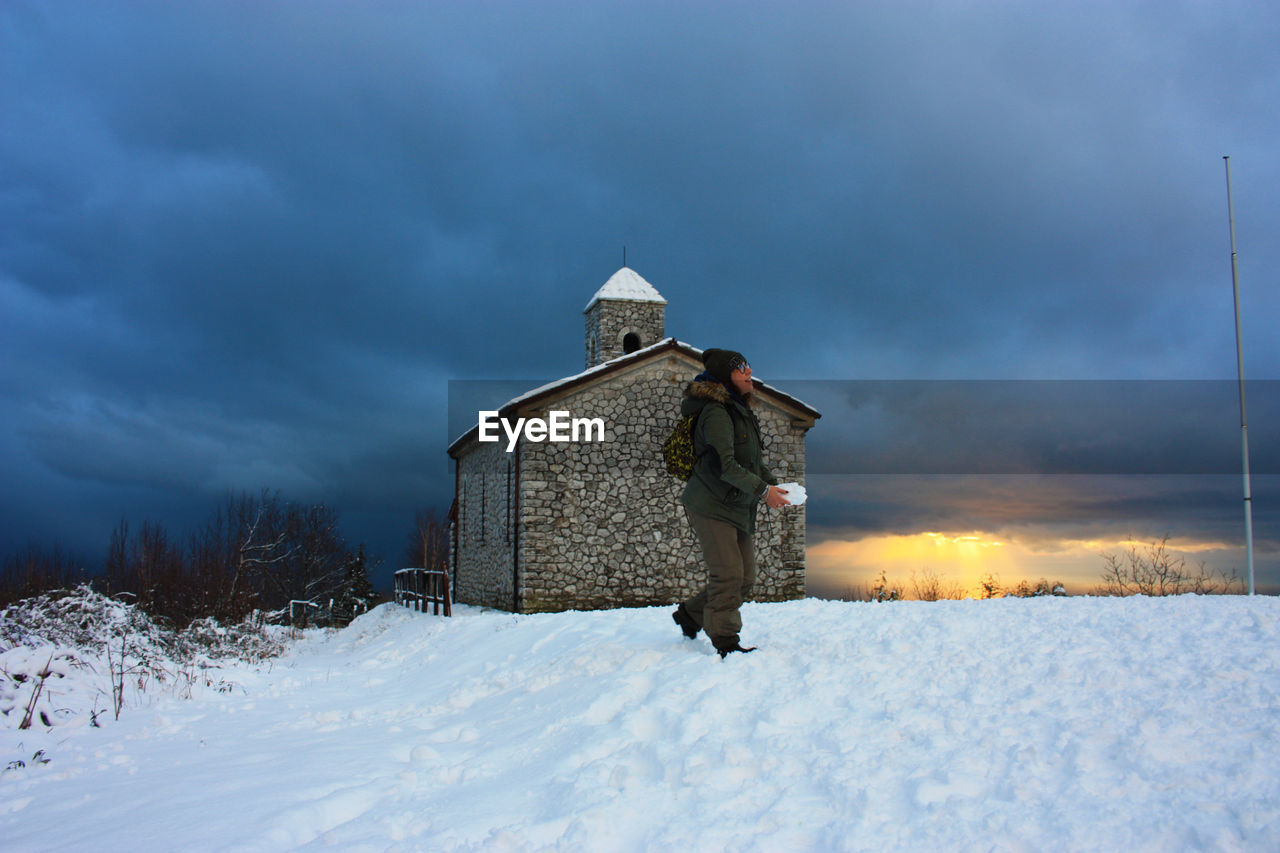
column 609, row 320
column 602, row 524
column 484, row 562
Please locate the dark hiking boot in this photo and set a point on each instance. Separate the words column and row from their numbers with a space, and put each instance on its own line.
column 725, row 649
column 682, row 618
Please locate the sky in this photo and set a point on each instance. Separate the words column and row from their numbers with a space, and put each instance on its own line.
column 249, row 245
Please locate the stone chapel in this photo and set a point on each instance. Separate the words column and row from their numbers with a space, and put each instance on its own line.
column 582, row 525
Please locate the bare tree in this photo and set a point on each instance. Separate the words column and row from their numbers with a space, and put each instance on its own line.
column 260, row 544
column 35, row 569
column 1152, row 569
column 241, row 541
column 428, row 545
column 253, row 552
column 312, row 570
column 927, row 585
column 148, row 566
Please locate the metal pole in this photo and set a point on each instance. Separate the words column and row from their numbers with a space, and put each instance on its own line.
column 1244, row 420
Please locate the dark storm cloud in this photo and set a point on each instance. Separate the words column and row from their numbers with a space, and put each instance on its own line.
column 987, row 427
column 248, row 245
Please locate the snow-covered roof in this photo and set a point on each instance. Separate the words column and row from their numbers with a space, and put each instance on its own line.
column 615, row 364
column 638, row 355
column 628, row 284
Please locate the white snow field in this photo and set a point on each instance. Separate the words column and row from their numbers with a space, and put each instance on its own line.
column 1012, row 724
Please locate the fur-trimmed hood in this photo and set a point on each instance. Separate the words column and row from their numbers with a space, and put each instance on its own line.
column 707, row 389
column 713, row 391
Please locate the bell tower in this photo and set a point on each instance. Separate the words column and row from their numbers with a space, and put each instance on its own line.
column 625, row 315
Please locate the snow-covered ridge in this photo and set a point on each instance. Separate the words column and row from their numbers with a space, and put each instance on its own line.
column 1052, row 724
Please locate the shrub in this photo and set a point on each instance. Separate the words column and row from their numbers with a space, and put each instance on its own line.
column 1154, row 570
column 99, row 647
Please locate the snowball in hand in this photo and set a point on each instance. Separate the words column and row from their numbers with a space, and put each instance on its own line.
column 795, row 493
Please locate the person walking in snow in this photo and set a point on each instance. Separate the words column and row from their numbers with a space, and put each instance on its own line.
column 720, row 499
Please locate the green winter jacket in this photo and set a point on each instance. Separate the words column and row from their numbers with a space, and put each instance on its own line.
column 730, row 477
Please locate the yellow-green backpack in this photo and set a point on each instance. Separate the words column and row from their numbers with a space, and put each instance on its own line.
column 677, row 450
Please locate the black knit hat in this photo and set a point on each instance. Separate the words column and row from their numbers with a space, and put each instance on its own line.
column 721, row 363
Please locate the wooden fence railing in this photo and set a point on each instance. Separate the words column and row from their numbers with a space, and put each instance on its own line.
column 305, row 614
column 417, row 588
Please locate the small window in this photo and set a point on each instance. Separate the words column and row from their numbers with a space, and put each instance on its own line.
column 631, row 342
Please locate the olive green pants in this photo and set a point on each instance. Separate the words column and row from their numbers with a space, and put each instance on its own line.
column 730, row 556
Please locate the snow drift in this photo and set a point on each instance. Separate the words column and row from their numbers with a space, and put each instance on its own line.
column 1012, row 724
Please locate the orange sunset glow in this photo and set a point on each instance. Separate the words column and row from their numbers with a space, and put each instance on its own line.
column 965, row 558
